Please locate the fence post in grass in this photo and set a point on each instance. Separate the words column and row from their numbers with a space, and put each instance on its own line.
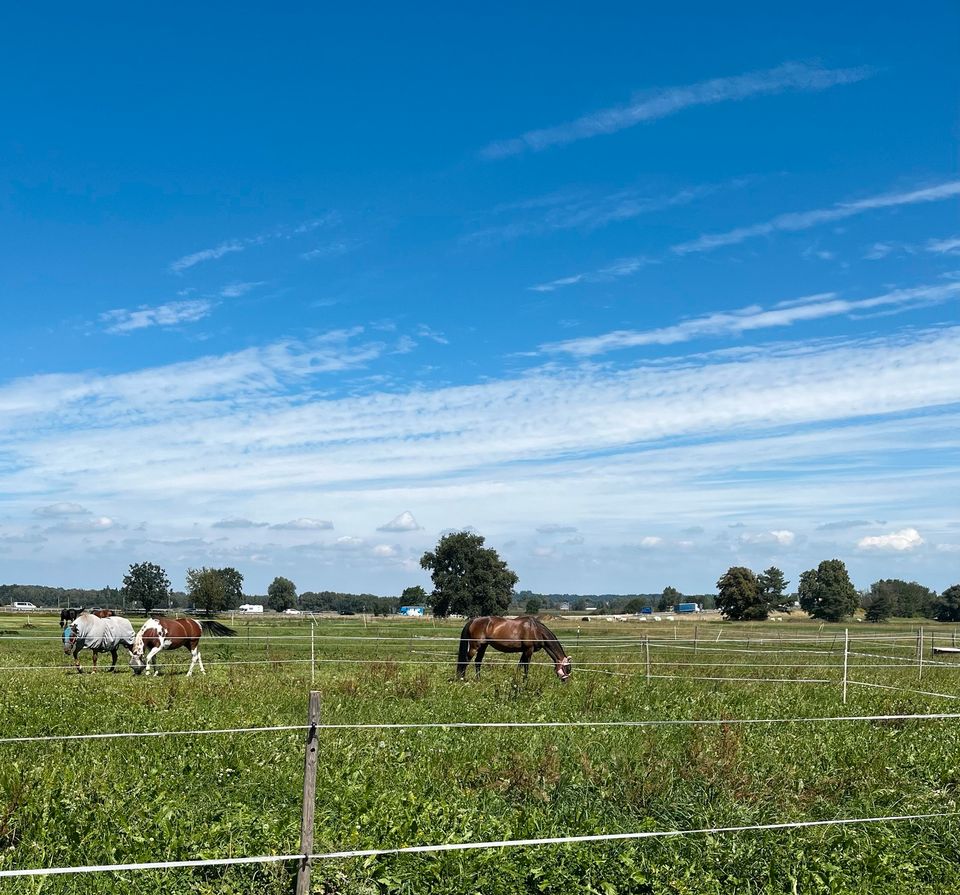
column 920, row 654
column 313, row 661
column 646, row 645
column 309, row 796
column 846, row 652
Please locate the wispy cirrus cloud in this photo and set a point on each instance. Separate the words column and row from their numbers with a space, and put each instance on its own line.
column 804, row 220
column 754, row 317
column 232, row 246
column 789, row 222
column 945, row 246
column 587, row 210
column 654, row 104
column 125, row 320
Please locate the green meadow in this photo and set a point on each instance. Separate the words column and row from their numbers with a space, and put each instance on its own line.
column 66, row 803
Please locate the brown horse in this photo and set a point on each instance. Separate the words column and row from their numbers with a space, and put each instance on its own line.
column 524, row 635
column 170, row 633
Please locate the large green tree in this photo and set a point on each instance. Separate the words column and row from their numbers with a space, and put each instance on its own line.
column 826, row 592
column 468, row 578
column 740, row 597
column 214, row 590
column 880, row 604
column 414, row 595
column 670, row 597
column 908, row 598
column 946, row 607
column 147, row 584
column 773, row 588
column 281, row 594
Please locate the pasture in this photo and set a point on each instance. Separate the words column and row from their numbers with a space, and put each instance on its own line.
column 81, row 802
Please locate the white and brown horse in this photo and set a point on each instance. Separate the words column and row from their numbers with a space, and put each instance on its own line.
column 97, row 634
column 171, row 633
column 524, row 635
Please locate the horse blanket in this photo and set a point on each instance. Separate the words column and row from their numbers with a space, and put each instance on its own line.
column 103, row 634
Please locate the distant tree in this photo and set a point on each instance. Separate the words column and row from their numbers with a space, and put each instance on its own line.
column 880, row 604
column 635, row 605
column 740, row 598
column 773, row 587
column 468, row 578
column 946, row 607
column 281, row 594
column 827, row 592
column 533, row 606
column 212, row 589
column 147, row 584
column 909, row 599
column 579, row 605
column 232, row 586
column 413, row 596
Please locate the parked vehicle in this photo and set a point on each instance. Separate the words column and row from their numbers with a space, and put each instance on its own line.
column 22, row 606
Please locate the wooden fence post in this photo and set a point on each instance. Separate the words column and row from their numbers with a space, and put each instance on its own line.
column 309, row 796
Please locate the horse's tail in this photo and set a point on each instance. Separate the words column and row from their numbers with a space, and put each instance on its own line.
column 216, row 629
column 462, row 660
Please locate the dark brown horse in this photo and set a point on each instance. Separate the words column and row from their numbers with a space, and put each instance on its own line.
column 69, row 615
column 170, row 633
column 524, row 635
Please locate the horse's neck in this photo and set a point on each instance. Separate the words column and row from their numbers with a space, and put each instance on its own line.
column 552, row 646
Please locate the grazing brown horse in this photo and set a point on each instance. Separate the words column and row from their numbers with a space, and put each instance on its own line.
column 170, row 633
column 524, row 635
column 69, row 615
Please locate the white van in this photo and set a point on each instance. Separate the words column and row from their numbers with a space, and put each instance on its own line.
column 24, row 607
column 250, row 607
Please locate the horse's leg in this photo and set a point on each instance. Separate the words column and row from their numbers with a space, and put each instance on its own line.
column 480, row 651
column 113, row 665
column 76, row 661
column 525, row 658
column 150, row 656
column 95, row 657
column 194, row 659
column 200, row 660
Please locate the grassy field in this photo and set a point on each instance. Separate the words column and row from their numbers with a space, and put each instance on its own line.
column 113, row 801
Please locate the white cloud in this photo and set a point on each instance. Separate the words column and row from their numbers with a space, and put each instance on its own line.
column 651, row 541
column 656, row 104
column 238, row 522
column 384, row 551
column 945, row 246
column 812, row 307
column 191, row 260
column 62, row 509
column 403, row 522
column 905, row 539
column 235, row 290
column 124, row 320
column 305, row 524
column 95, row 523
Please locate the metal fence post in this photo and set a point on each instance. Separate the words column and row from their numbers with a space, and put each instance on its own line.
column 309, row 796
column 920, row 654
column 846, row 652
column 646, row 643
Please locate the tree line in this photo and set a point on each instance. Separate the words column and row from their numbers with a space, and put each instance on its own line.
column 470, row 579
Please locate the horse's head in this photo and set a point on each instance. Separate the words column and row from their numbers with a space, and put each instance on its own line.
column 70, row 636
column 564, row 668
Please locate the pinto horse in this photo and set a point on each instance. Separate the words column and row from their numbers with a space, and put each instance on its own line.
column 524, row 635
column 99, row 635
column 170, row 633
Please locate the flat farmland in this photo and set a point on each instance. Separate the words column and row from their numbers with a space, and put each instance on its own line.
column 69, row 803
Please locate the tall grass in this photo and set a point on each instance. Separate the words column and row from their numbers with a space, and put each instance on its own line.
column 93, row 802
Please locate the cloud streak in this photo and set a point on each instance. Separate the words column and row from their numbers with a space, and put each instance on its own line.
column 655, row 104
column 790, row 222
column 123, row 320
column 735, row 323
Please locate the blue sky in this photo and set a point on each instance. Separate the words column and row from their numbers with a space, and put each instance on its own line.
column 638, row 296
